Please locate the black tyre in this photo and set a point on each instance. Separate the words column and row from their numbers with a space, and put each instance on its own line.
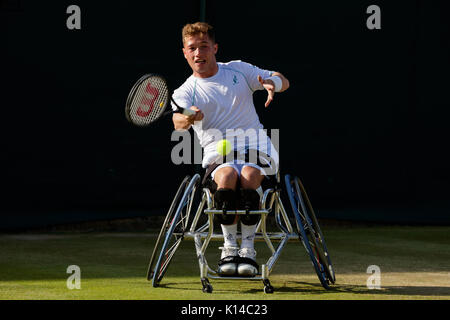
column 172, row 231
column 309, row 231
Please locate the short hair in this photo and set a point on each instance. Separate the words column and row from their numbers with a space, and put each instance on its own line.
column 192, row 29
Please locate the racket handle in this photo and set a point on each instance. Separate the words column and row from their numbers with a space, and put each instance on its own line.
column 186, row 112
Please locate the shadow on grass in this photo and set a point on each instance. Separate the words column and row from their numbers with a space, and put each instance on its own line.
column 298, row 287
column 190, row 286
column 418, row 291
column 357, row 289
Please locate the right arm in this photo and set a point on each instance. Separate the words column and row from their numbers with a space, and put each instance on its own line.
column 183, row 122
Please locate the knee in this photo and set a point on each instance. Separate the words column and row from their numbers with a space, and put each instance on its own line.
column 226, row 177
column 251, row 177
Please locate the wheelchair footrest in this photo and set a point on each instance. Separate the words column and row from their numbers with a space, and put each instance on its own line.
column 255, row 277
column 214, row 211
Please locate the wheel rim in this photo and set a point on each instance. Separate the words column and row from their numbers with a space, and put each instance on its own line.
column 320, row 247
column 175, row 232
column 301, row 219
column 165, row 226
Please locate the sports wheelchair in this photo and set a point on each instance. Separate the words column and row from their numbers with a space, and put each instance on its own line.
column 179, row 225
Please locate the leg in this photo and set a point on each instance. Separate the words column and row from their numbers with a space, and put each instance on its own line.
column 251, row 179
column 225, row 198
column 226, row 178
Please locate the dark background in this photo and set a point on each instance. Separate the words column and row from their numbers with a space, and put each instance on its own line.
column 364, row 123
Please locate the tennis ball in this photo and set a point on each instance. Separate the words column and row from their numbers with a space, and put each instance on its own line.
column 161, row 104
column 223, row 147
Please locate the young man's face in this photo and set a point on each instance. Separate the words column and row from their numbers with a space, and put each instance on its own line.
column 200, row 53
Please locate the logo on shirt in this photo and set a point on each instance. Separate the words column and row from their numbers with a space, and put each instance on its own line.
column 235, row 80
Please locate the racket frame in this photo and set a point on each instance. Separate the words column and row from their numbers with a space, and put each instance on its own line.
column 131, row 94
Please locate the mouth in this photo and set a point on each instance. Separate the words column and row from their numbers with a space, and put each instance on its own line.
column 200, row 61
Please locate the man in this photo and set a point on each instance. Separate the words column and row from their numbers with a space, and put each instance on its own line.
column 221, row 95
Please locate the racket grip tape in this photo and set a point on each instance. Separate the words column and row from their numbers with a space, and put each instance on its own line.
column 186, row 112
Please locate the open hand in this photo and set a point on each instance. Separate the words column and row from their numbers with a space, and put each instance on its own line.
column 270, row 87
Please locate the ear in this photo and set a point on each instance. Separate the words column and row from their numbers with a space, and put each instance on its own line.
column 216, row 47
column 184, row 53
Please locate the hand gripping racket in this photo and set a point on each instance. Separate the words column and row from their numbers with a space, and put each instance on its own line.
column 148, row 100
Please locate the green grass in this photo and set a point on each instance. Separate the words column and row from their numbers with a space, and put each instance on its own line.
column 414, row 263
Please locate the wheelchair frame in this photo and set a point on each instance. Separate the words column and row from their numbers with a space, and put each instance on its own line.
column 177, row 225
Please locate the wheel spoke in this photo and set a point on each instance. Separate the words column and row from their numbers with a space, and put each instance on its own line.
column 168, row 256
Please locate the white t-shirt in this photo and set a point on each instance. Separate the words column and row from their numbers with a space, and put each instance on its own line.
column 226, row 100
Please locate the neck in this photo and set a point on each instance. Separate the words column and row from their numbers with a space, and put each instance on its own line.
column 208, row 74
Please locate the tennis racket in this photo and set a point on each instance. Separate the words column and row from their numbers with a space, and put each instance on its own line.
column 149, row 100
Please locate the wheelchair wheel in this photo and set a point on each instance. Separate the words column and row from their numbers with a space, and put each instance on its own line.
column 166, row 225
column 173, row 229
column 309, row 231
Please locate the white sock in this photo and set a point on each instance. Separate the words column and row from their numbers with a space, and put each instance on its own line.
column 248, row 236
column 229, row 235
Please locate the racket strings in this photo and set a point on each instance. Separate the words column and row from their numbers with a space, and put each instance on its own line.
column 149, row 101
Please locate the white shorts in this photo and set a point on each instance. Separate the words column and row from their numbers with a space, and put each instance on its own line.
column 237, row 167
column 268, row 167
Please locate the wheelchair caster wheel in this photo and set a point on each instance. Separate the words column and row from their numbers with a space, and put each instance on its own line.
column 268, row 289
column 267, row 286
column 207, row 287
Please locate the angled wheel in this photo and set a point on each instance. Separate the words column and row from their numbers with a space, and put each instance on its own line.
column 172, row 231
column 309, row 231
column 165, row 226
